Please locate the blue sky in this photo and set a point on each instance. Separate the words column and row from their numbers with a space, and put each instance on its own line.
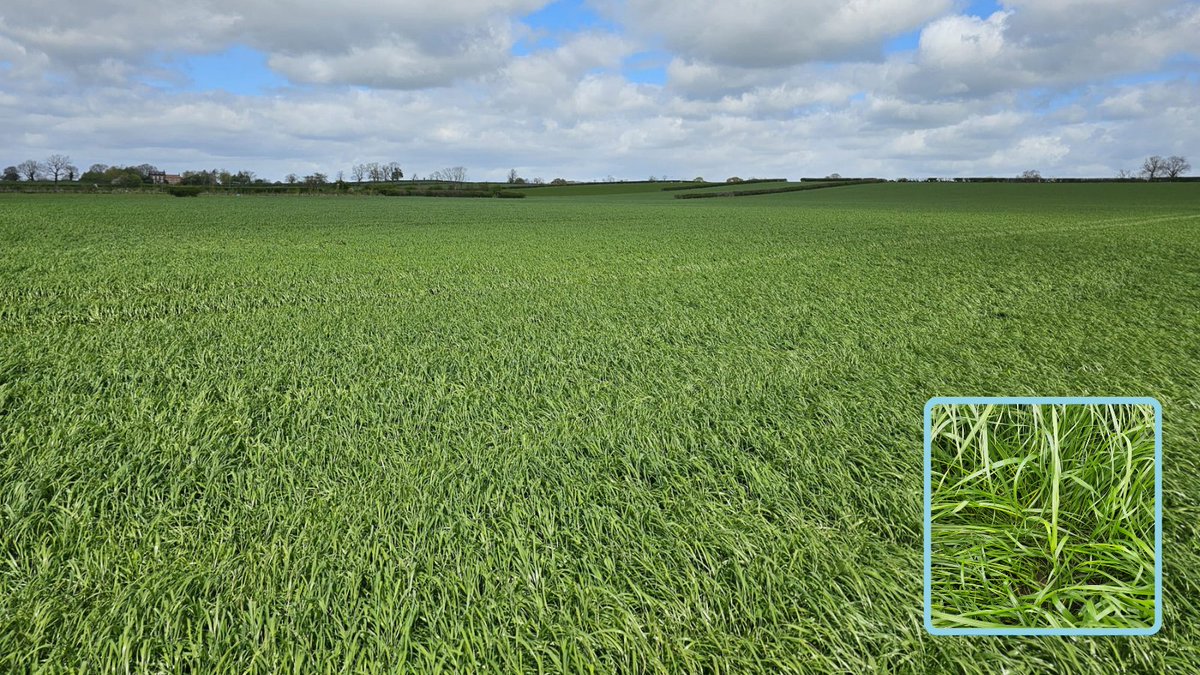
column 590, row 88
column 238, row 70
column 558, row 20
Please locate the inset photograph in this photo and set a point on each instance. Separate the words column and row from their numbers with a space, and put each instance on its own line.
column 1042, row 516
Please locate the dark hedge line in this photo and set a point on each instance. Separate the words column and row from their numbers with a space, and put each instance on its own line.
column 996, row 179
column 393, row 192
column 196, row 190
column 770, row 191
column 841, row 180
column 674, row 188
column 748, row 181
column 571, row 183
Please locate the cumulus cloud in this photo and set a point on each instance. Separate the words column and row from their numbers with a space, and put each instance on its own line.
column 706, row 80
column 767, row 33
column 544, row 82
column 752, row 88
column 1061, row 43
column 400, row 62
column 381, row 43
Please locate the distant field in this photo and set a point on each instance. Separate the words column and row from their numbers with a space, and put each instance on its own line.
column 623, row 431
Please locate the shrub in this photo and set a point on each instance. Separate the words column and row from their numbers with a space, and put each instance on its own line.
column 185, row 190
column 127, row 180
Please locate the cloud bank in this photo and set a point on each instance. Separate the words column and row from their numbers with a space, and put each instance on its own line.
column 747, row 87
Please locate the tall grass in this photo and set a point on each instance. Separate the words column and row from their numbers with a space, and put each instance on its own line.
column 621, row 433
column 1043, row 516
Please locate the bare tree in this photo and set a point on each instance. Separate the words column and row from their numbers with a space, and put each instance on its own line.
column 57, row 165
column 1125, row 174
column 376, row 172
column 72, row 172
column 358, row 172
column 1153, row 167
column 393, row 171
column 1176, row 166
column 291, row 179
column 1032, row 176
column 30, row 169
column 452, row 174
column 513, row 176
column 97, row 168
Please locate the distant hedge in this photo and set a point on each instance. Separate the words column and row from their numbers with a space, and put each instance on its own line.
column 815, row 185
column 697, row 186
column 185, row 190
column 1000, row 179
column 409, row 192
column 584, row 183
column 840, row 180
column 739, row 184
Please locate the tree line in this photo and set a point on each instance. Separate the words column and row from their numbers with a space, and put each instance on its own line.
column 1157, row 166
column 55, row 167
column 58, row 167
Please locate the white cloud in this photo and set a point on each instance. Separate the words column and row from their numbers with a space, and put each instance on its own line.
column 382, row 43
column 706, row 80
column 889, row 112
column 964, row 42
column 400, row 62
column 1058, row 19
column 763, row 89
column 544, row 81
column 768, row 33
column 1062, row 43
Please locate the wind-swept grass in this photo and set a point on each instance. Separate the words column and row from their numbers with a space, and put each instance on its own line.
column 615, row 433
column 1043, row 516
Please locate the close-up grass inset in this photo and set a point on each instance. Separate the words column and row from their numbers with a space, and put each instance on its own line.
column 1042, row 516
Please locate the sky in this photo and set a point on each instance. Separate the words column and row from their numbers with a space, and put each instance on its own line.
column 587, row 89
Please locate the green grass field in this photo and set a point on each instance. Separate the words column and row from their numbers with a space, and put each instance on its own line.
column 623, row 431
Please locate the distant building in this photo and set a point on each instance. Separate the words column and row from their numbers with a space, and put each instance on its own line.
column 164, row 178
